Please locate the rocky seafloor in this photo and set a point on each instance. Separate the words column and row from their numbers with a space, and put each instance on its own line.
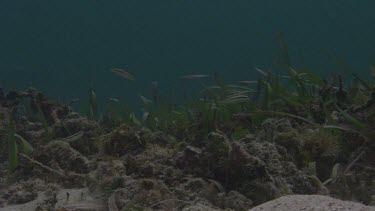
column 86, row 165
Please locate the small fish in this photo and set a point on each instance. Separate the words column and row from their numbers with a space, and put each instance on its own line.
column 114, row 100
column 123, row 74
column 248, row 82
column 261, row 72
column 145, row 100
column 193, row 77
column 267, row 73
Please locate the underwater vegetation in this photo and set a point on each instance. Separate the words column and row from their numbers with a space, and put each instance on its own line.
column 299, row 94
column 227, row 133
column 14, row 140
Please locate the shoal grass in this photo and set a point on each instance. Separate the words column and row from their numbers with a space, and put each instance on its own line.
column 13, row 158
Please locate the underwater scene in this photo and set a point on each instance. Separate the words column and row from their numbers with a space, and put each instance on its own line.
column 187, row 105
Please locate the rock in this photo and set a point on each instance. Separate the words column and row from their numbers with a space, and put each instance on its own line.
column 262, row 190
column 310, row 202
column 74, row 123
column 189, row 156
column 122, row 141
column 109, row 176
column 357, row 184
column 281, row 132
column 147, row 170
column 90, row 130
column 11, row 99
column 233, row 200
column 324, row 148
column 145, row 194
column 61, row 200
column 87, row 205
column 4, row 122
column 4, row 118
column 269, row 129
column 22, row 197
column 200, row 206
column 218, row 144
column 159, row 138
column 270, row 173
column 22, row 192
column 153, row 162
column 109, row 169
column 52, row 112
column 291, row 142
column 261, row 171
column 244, row 164
column 64, row 155
column 197, row 187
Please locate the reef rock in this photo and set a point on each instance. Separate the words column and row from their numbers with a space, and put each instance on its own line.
column 62, row 154
column 122, row 141
column 258, row 170
column 4, row 122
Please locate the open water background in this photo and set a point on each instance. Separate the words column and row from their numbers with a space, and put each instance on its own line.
column 60, row 46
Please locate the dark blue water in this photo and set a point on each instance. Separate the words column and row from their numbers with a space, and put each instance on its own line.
column 60, row 46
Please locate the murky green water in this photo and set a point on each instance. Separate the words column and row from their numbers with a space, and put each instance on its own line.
column 60, row 46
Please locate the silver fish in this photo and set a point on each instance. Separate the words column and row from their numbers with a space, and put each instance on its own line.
column 123, row 74
column 248, row 82
column 193, row 77
column 114, row 100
